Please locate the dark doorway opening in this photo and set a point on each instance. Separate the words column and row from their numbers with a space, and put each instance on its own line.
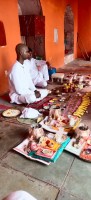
column 69, row 33
column 32, row 26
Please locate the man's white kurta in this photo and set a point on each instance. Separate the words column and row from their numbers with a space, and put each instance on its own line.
column 21, row 85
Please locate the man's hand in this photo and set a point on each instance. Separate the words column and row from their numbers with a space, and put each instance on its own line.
column 37, row 94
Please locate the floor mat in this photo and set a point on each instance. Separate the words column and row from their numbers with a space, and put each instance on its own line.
column 4, row 107
column 5, row 97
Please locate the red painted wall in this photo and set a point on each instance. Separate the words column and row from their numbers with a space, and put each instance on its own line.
column 9, row 17
column 84, row 25
column 53, row 10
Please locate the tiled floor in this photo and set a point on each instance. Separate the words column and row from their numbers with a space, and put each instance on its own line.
column 67, row 179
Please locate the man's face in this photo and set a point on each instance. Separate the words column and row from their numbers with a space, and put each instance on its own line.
column 25, row 53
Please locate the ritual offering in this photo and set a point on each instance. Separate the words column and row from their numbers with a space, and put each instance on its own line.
column 11, row 112
column 85, row 101
column 36, row 132
column 49, row 149
column 24, row 147
column 46, row 106
column 69, row 87
column 86, row 152
column 54, row 125
column 57, row 91
column 73, row 121
column 80, row 144
column 77, row 104
column 56, row 121
column 60, row 129
column 83, row 131
column 42, row 147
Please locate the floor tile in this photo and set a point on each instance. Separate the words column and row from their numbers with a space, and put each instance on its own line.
column 78, row 182
column 10, row 135
column 63, row 195
column 18, row 181
column 53, row 174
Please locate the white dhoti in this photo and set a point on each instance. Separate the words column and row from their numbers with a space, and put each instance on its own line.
column 28, row 98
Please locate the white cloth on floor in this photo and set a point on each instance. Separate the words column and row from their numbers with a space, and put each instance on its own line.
column 41, row 77
column 21, row 85
column 29, row 113
column 19, row 195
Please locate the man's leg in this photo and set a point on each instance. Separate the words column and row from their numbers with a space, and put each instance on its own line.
column 19, row 99
column 28, row 98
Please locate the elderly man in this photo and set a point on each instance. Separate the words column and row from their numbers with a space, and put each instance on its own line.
column 38, row 70
column 22, row 89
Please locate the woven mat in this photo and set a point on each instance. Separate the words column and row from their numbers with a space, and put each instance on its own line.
column 4, row 107
column 39, row 104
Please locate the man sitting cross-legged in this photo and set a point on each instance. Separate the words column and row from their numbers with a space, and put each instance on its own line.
column 22, row 89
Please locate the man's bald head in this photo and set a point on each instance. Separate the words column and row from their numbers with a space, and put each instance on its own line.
column 19, row 47
column 22, row 52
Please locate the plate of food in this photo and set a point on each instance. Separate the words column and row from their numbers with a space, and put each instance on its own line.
column 52, row 126
column 60, row 124
column 11, row 112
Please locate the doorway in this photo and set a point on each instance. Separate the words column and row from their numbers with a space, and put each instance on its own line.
column 68, row 35
column 32, row 26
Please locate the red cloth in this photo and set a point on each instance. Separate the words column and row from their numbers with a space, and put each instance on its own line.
column 39, row 104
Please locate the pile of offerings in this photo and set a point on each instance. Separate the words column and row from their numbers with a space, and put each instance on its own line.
column 80, row 144
column 43, row 146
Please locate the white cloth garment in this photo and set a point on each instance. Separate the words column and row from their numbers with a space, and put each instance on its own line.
column 29, row 113
column 19, row 195
column 41, row 77
column 21, row 85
